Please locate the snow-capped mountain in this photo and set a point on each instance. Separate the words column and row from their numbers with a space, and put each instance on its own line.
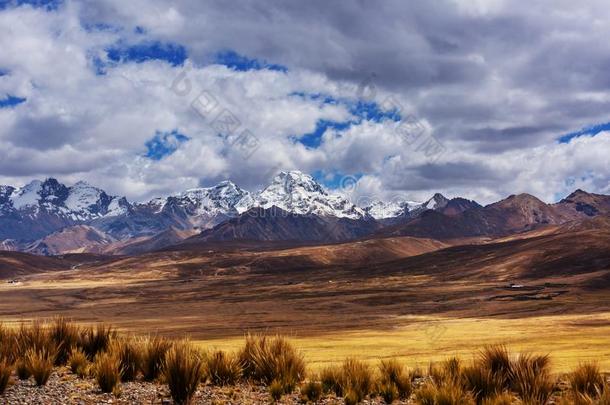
column 202, row 207
column 48, row 216
column 298, row 193
column 81, row 202
column 42, row 207
column 391, row 209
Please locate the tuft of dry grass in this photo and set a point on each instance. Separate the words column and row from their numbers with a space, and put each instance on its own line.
column 107, row 372
column 444, row 394
column 39, row 363
column 276, row 390
column 33, row 337
column 21, row 368
column 5, row 375
column 272, row 359
column 78, row 362
column 356, row 379
column 130, row 353
column 501, row 399
column 95, row 340
column 394, row 377
column 65, row 335
column 331, row 380
column 183, row 370
column 311, row 391
column 481, row 382
column 498, row 361
column 223, row 368
column 155, row 349
column 587, row 379
column 531, row 379
column 8, row 344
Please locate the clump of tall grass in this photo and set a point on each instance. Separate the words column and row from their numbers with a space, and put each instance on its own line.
column 443, row 394
column 531, row 379
column 21, row 368
column 311, row 391
column 482, row 382
column 587, row 379
column 276, row 390
column 352, row 380
column 5, row 375
column 95, row 340
column 33, row 337
column 155, row 349
column 183, row 370
column 497, row 360
column 107, row 372
column 78, row 362
column 272, row 359
column 500, row 399
column 8, row 344
column 357, row 379
column 331, row 379
column 130, row 353
column 394, row 381
column 39, row 363
column 64, row 335
column 223, row 368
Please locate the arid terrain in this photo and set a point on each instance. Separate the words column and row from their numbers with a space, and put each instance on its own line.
column 419, row 299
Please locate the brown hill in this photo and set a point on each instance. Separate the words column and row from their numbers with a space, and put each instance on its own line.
column 515, row 214
column 74, row 239
column 275, row 224
column 14, row 264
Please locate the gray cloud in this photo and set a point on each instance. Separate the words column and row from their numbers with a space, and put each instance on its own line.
column 496, row 82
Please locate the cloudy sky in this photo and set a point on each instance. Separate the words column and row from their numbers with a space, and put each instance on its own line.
column 475, row 98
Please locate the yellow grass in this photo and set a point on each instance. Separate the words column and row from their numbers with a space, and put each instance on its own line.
column 569, row 340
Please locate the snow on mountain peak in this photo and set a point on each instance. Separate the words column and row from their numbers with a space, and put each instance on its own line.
column 82, row 196
column 27, row 196
column 299, row 193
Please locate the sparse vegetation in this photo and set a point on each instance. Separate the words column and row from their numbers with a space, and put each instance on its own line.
column 276, row 390
column 587, row 380
column 64, row 335
column 311, row 391
column 107, row 372
column 357, row 379
column 39, row 363
column 444, row 394
column 5, row 375
column 331, row 380
column 272, row 359
column 494, row 377
column 21, row 368
column 155, row 349
column 183, row 370
column 531, row 379
column 78, row 362
column 394, row 379
column 95, row 340
column 223, row 368
column 130, row 353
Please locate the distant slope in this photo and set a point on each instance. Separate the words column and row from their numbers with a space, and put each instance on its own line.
column 14, row 264
column 515, row 214
column 143, row 245
column 275, row 224
column 74, row 239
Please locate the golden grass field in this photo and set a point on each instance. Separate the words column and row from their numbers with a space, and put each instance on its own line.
column 569, row 340
column 416, row 300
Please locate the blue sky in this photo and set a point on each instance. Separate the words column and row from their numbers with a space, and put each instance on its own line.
column 516, row 97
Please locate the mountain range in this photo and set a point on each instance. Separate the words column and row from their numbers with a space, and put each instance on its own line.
column 50, row 218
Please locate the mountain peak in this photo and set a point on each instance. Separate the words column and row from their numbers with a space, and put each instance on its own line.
column 296, row 192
